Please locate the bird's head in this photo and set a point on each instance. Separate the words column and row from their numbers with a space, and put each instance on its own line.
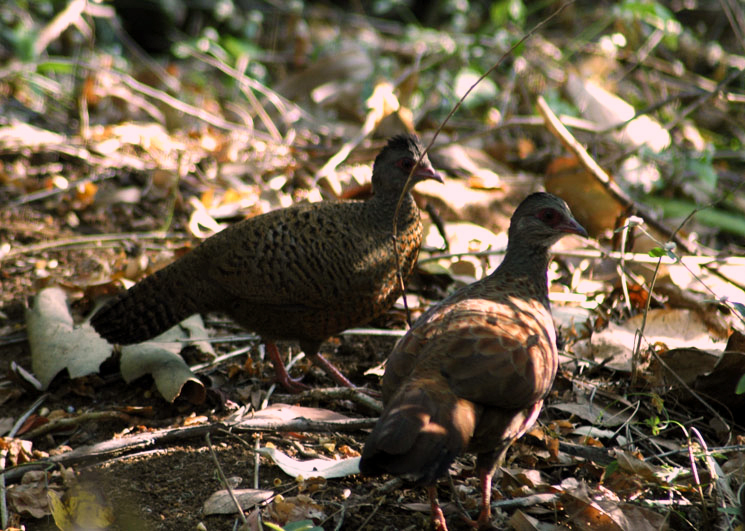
column 542, row 219
column 395, row 163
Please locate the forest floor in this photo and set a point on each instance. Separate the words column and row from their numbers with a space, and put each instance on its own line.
column 108, row 172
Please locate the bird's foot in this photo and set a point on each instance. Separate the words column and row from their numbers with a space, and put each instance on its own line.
column 331, row 370
column 483, row 522
column 480, row 524
column 438, row 518
column 282, row 376
column 293, row 385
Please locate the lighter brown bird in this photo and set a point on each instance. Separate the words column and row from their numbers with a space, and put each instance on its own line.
column 472, row 372
column 304, row 273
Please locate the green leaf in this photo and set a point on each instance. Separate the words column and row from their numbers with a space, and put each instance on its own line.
column 506, row 11
column 239, row 47
column 657, row 252
column 303, row 525
column 711, row 217
column 56, row 67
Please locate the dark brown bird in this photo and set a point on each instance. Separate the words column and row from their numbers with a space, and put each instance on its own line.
column 472, row 372
column 304, row 273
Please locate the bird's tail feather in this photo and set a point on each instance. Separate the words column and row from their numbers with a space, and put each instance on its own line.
column 423, row 429
column 150, row 307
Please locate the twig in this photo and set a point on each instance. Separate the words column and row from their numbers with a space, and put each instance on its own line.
column 713, row 476
column 101, row 451
column 303, row 424
column 282, row 104
column 703, row 99
column 341, row 512
column 257, row 461
column 630, row 223
column 225, row 481
column 270, row 391
column 84, row 418
column 557, row 129
column 163, row 97
column 716, row 450
column 693, row 393
column 88, row 240
column 696, row 479
column 67, row 17
column 375, row 510
column 45, row 194
column 639, row 334
column 4, row 452
column 638, row 258
column 346, row 393
column 525, row 501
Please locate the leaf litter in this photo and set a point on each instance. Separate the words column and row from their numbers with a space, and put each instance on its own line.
column 664, row 453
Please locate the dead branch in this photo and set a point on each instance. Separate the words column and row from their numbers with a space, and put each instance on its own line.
column 593, row 168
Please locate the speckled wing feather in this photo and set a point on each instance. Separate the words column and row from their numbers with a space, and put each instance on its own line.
column 298, row 256
column 495, row 346
column 460, row 379
column 305, row 272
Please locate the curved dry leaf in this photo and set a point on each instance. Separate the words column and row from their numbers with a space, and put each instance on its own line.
column 167, row 367
column 286, row 412
column 221, row 502
column 482, row 171
column 608, row 110
column 57, row 344
column 594, row 513
column 671, row 327
column 160, row 358
column 311, row 468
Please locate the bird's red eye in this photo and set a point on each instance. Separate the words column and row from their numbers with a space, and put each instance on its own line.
column 549, row 216
column 405, row 164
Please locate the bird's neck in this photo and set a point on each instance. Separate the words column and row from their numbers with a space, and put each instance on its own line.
column 529, row 262
column 384, row 209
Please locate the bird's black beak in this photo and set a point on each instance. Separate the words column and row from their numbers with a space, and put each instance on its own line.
column 570, row 226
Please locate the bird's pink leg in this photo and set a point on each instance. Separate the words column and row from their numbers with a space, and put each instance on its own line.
column 484, row 521
column 331, row 370
column 438, row 518
column 283, row 377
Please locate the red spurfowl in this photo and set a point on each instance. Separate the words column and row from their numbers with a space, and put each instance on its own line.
column 472, row 372
column 303, row 273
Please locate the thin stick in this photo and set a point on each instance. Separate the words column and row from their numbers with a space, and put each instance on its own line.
column 562, row 133
column 4, row 452
column 89, row 240
column 224, row 481
column 504, row 56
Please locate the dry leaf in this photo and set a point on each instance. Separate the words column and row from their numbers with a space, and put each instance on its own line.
column 221, row 502
column 160, row 357
column 324, row 468
column 57, row 344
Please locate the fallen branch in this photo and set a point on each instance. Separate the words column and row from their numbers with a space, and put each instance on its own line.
column 87, row 241
column 100, row 452
column 593, row 168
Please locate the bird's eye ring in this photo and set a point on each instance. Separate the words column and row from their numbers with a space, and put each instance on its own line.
column 549, row 216
column 405, row 164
